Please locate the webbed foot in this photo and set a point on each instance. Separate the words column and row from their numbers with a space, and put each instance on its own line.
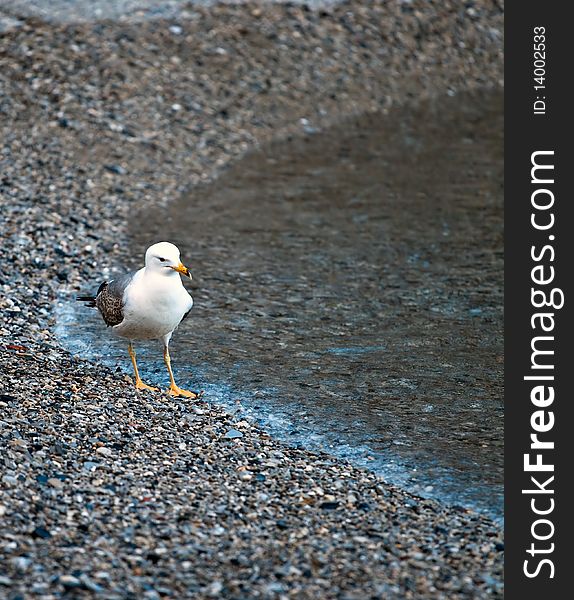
column 175, row 390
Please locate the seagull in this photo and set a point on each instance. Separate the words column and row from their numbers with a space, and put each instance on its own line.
column 147, row 304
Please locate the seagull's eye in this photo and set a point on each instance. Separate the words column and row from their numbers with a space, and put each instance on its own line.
column 162, row 259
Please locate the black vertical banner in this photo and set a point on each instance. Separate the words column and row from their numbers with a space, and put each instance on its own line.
column 539, row 259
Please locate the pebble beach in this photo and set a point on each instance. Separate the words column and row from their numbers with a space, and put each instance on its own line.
column 110, row 493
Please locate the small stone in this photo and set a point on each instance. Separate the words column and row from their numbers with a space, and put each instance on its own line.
column 115, row 169
column 21, row 563
column 40, row 588
column 233, row 434
column 41, row 533
column 329, row 505
column 214, row 589
column 69, row 581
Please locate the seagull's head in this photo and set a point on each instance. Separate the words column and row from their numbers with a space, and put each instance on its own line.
column 163, row 258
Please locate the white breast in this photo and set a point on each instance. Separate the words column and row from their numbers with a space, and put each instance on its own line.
column 154, row 305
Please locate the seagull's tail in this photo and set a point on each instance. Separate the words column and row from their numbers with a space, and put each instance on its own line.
column 89, row 300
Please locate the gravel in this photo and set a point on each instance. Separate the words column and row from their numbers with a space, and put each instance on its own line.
column 109, row 493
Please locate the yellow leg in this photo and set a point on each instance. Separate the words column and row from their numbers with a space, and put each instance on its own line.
column 140, row 385
column 174, row 390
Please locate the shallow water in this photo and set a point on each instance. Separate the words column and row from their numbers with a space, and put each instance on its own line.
column 348, row 290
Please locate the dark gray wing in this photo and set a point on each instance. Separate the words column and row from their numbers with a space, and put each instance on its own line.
column 109, row 299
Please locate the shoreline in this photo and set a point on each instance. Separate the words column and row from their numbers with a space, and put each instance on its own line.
column 99, row 120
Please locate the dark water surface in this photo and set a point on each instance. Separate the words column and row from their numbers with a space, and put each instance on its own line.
column 348, row 290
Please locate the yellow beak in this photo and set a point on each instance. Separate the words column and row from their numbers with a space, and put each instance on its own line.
column 181, row 268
